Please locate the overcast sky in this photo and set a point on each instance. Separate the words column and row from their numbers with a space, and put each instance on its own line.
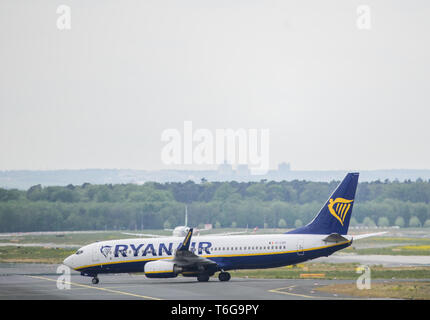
column 334, row 96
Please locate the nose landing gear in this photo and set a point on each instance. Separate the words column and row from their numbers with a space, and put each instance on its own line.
column 95, row 280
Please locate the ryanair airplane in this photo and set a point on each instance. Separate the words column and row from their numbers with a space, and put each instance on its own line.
column 203, row 256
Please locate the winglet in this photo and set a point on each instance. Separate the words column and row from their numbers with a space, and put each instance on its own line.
column 185, row 245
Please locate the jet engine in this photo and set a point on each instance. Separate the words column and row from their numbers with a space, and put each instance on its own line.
column 161, row 269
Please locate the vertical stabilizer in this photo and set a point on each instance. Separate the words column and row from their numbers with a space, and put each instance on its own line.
column 334, row 216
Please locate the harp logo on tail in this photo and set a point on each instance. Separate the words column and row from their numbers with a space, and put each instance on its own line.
column 339, row 208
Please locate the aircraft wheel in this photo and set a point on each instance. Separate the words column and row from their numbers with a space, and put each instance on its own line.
column 95, row 280
column 224, row 276
column 203, row 277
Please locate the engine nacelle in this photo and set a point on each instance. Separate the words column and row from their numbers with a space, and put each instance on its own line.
column 161, row 269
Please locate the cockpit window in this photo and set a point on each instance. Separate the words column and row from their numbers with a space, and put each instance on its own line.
column 79, row 251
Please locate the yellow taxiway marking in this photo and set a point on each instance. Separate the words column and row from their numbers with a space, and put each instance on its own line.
column 98, row 288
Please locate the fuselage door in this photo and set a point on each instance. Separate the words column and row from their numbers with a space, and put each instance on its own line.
column 300, row 247
column 96, row 253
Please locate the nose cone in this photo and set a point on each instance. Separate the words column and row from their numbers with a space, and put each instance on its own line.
column 69, row 262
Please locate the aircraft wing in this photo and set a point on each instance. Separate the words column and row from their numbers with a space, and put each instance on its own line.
column 191, row 262
column 362, row 236
column 143, row 235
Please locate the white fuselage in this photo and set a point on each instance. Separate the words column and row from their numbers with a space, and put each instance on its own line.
column 229, row 252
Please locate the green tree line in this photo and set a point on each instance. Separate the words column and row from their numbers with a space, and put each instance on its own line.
column 223, row 204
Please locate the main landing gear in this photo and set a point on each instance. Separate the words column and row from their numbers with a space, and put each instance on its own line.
column 95, row 280
column 224, row 276
column 203, row 277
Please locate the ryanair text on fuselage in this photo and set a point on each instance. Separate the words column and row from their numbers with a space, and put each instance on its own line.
column 150, row 249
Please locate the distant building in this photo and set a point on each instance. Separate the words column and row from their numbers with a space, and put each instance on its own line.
column 225, row 169
column 284, row 167
column 243, row 170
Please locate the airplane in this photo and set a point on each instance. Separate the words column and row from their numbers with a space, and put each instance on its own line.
column 203, row 256
column 181, row 231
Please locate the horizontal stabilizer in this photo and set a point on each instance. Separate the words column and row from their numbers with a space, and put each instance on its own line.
column 362, row 236
column 335, row 237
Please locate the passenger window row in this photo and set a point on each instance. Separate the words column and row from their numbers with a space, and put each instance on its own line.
column 248, row 248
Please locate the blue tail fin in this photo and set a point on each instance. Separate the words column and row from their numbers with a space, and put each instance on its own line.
column 335, row 214
column 185, row 245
